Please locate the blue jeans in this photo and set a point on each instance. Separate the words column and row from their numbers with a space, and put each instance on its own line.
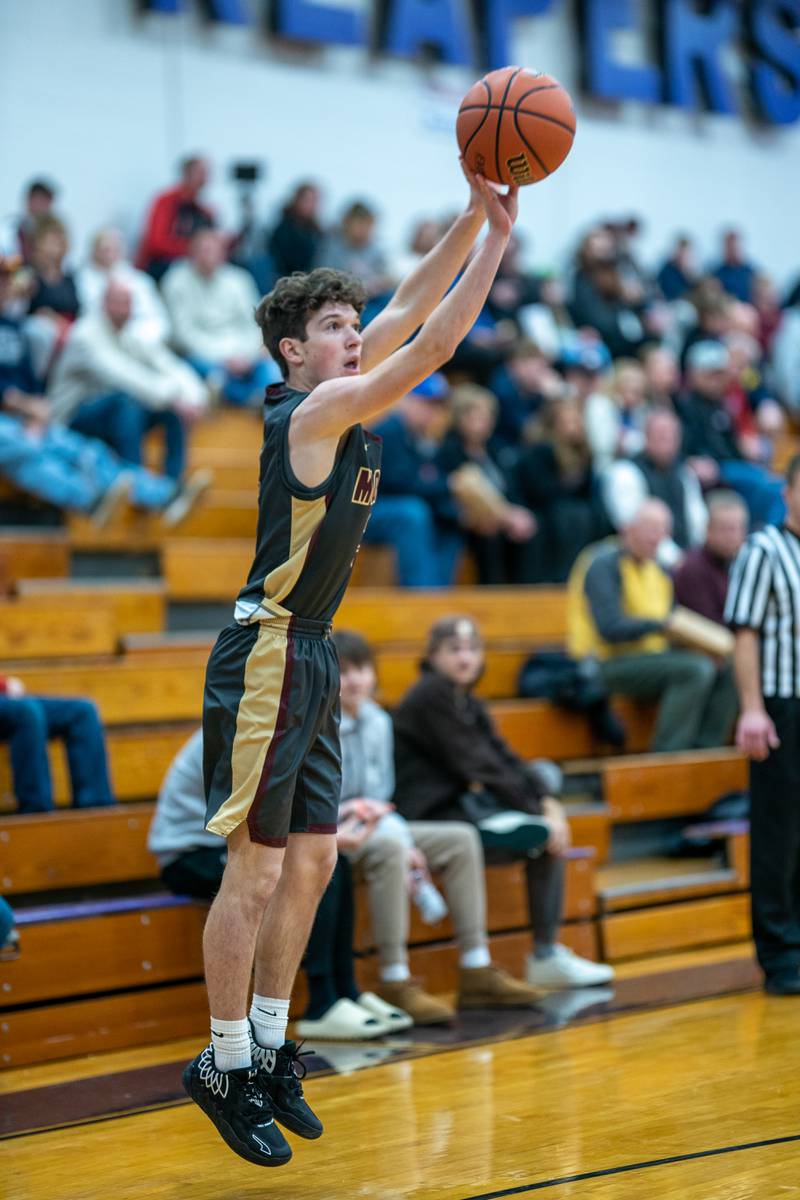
column 72, row 471
column 122, row 422
column 240, row 390
column 28, row 722
column 761, row 491
column 427, row 554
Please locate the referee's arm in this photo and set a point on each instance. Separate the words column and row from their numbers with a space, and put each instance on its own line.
column 745, row 609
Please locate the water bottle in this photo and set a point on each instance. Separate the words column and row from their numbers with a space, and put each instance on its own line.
column 429, row 900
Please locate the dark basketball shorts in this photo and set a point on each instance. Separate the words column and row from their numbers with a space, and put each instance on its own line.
column 271, row 753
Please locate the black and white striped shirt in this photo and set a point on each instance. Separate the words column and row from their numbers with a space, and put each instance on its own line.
column 764, row 594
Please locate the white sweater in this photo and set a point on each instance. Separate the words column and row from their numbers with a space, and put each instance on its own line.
column 212, row 318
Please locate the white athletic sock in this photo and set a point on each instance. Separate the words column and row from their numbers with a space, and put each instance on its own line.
column 395, row 973
column 231, row 1042
column 479, row 957
column 269, row 1018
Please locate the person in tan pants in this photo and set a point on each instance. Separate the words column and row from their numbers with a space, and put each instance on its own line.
column 396, row 859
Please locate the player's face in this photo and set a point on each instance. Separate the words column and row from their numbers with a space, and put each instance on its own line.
column 357, row 685
column 332, row 349
column 459, row 659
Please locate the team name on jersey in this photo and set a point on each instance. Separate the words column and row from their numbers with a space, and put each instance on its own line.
column 366, row 489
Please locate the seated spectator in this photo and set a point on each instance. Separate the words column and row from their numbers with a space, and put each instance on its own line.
column 514, row 287
column 353, row 247
column 734, row 272
column 585, row 365
column 701, row 580
column 766, row 301
column 295, row 241
column 211, row 304
column 662, row 376
column 192, row 860
column 16, row 232
column 679, row 273
column 758, row 418
column 395, row 858
column 110, row 385
column 415, row 511
column 658, row 471
column 53, row 304
column 452, row 765
column 607, row 299
column 26, row 723
column 713, row 309
column 174, row 216
column 547, row 321
column 522, row 384
column 107, row 261
column 556, row 480
column 627, row 389
column 491, row 527
column 710, row 442
column 618, row 607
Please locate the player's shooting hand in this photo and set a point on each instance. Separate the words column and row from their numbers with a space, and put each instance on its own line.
column 501, row 207
column 475, row 204
column 756, row 735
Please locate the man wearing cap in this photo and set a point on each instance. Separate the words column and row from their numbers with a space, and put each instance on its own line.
column 710, row 442
column 415, row 511
column 451, row 764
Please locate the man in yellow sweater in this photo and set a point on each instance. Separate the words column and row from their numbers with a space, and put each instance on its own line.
column 618, row 605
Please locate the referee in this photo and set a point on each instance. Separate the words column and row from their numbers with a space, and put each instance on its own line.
column 763, row 607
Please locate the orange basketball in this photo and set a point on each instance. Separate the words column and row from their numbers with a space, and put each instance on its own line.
column 515, row 126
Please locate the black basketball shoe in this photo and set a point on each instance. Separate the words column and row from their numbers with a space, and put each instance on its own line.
column 279, row 1075
column 239, row 1108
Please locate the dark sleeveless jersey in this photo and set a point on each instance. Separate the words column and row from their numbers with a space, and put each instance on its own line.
column 307, row 538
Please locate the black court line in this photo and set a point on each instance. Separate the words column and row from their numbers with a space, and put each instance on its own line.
column 524, row 1188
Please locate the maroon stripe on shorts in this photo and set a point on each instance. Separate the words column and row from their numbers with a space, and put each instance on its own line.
column 280, row 724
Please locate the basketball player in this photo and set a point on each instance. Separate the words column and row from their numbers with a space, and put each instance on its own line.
column 271, row 708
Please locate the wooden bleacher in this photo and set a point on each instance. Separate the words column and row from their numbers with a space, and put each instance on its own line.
column 95, row 973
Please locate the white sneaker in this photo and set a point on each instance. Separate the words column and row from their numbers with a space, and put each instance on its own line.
column 186, row 497
column 393, row 1017
column 565, row 969
column 345, row 1021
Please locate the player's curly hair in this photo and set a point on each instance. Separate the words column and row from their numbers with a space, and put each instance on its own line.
column 285, row 311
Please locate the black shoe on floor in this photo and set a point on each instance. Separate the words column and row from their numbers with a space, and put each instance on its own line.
column 787, row 983
column 279, row 1075
column 238, row 1107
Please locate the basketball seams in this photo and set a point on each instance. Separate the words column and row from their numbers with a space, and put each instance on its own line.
column 487, row 109
column 509, row 82
column 526, row 112
column 527, row 143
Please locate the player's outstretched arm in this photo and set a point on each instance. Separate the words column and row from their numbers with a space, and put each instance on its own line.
column 336, row 404
column 420, row 292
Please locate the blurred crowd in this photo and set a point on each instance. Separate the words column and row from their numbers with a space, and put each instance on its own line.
column 576, row 395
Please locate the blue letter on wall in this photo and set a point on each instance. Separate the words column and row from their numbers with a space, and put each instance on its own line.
column 495, row 20
column 773, row 32
column 604, row 77
column 229, row 12
column 692, row 43
column 308, row 22
column 440, row 23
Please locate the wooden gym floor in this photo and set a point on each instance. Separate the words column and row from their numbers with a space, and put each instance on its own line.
column 699, row 1099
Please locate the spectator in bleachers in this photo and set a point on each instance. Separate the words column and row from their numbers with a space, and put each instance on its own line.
column 415, row 511
column 713, row 310
column 26, row 723
column 111, row 385
column 766, row 302
column 514, row 288
column 757, row 416
column 701, row 580
column 354, row 247
column 107, row 261
column 606, row 299
column 452, row 765
column 396, row 857
column 53, row 303
column 662, row 377
column 295, row 241
column 627, row 390
column 679, row 273
column 211, row 304
column 494, row 521
column 734, row 272
column 659, row 471
column 618, row 608
column 174, row 216
column 556, row 480
column 586, row 366
column 16, row 232
column 710, row 440
column 522, row 384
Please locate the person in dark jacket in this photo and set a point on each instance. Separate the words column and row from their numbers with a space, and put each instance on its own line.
column 451, row 764
column 678, row 274
column 710, row 441
column 415, row 511
column 701, row 580
column 556, row 480
column 295, row 241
